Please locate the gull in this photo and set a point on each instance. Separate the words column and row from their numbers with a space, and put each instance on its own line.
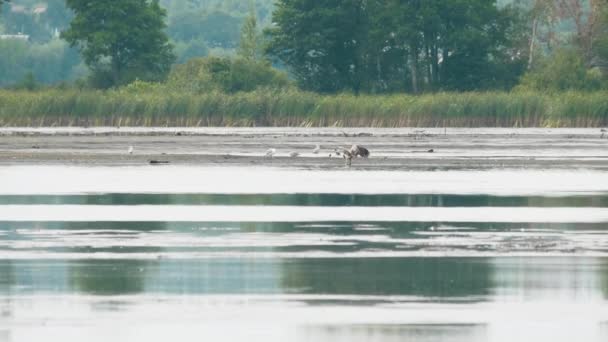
column 293, row 154
column 130, row 150
column 317, row 149
column 271, row 152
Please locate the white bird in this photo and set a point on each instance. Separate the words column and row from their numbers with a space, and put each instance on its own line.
column 271, row 152
column 293, row 154
column 317, row 149
column 130, row 150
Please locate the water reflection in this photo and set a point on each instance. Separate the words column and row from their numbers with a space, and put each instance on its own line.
column 416, row 200
column 317, row 281
column 306, row 281
column 420, row 277
column 153, row 240
column 390, row 333
column 116, row 277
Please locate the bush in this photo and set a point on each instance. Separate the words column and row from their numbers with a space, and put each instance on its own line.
column 564, row 70
column 225, row 74
column 27, row 83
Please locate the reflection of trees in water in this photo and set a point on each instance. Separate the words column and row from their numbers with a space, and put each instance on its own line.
column 110, row 277
column 113, row 277
column 604, row 279
column 7, row 277
column 417, row 200
column 7, row 282
column 431, row 277
column 396, row 332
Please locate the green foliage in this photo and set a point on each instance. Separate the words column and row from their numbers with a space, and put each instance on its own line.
column 192, row 49
column 217, row 29
column 225, row 74
column 320, row 42
column 27, row 83
column 249, row 45
column 564, row 70
column 49, row 62
column 394, row 45
column 139, row 87
column 148, row 104
column 601, row 43
column 121, row 41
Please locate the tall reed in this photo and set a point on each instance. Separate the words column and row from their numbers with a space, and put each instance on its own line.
column 296, row 108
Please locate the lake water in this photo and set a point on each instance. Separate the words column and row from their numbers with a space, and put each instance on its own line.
column 298, row 253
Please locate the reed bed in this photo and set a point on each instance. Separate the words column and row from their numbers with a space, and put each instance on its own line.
column 297, row 108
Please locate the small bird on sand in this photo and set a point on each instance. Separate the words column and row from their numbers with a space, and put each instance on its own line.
column 130, row 150
column 293, row 154
column 271, row 152
column 603, row 130
column 317, row 149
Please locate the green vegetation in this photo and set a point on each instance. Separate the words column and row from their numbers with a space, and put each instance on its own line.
column 51, row 63
column 305, row 62
column 250, row 42
column 224, row 74
column 145, row 104
column 394, row 45
column 564, row 70
column 121, row 42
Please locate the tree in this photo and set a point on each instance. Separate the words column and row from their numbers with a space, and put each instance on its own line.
column 564, row 70
column 321, row 42
column 392, row 45
column 600, row 41
column 249, row 43
column 121, row 40
column 476, row 46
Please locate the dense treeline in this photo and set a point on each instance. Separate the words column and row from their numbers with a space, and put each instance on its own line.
column 196, row 28
column 371, row 46
column 393, row 45
column 415, row 46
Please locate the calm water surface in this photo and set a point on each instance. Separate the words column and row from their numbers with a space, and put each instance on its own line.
column 510, row 265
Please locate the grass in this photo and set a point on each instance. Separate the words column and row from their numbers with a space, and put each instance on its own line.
column 297, row 108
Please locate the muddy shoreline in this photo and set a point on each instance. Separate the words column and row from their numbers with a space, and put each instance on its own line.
column 391, row 149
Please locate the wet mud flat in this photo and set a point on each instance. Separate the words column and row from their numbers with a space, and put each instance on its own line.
column 401, row 149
